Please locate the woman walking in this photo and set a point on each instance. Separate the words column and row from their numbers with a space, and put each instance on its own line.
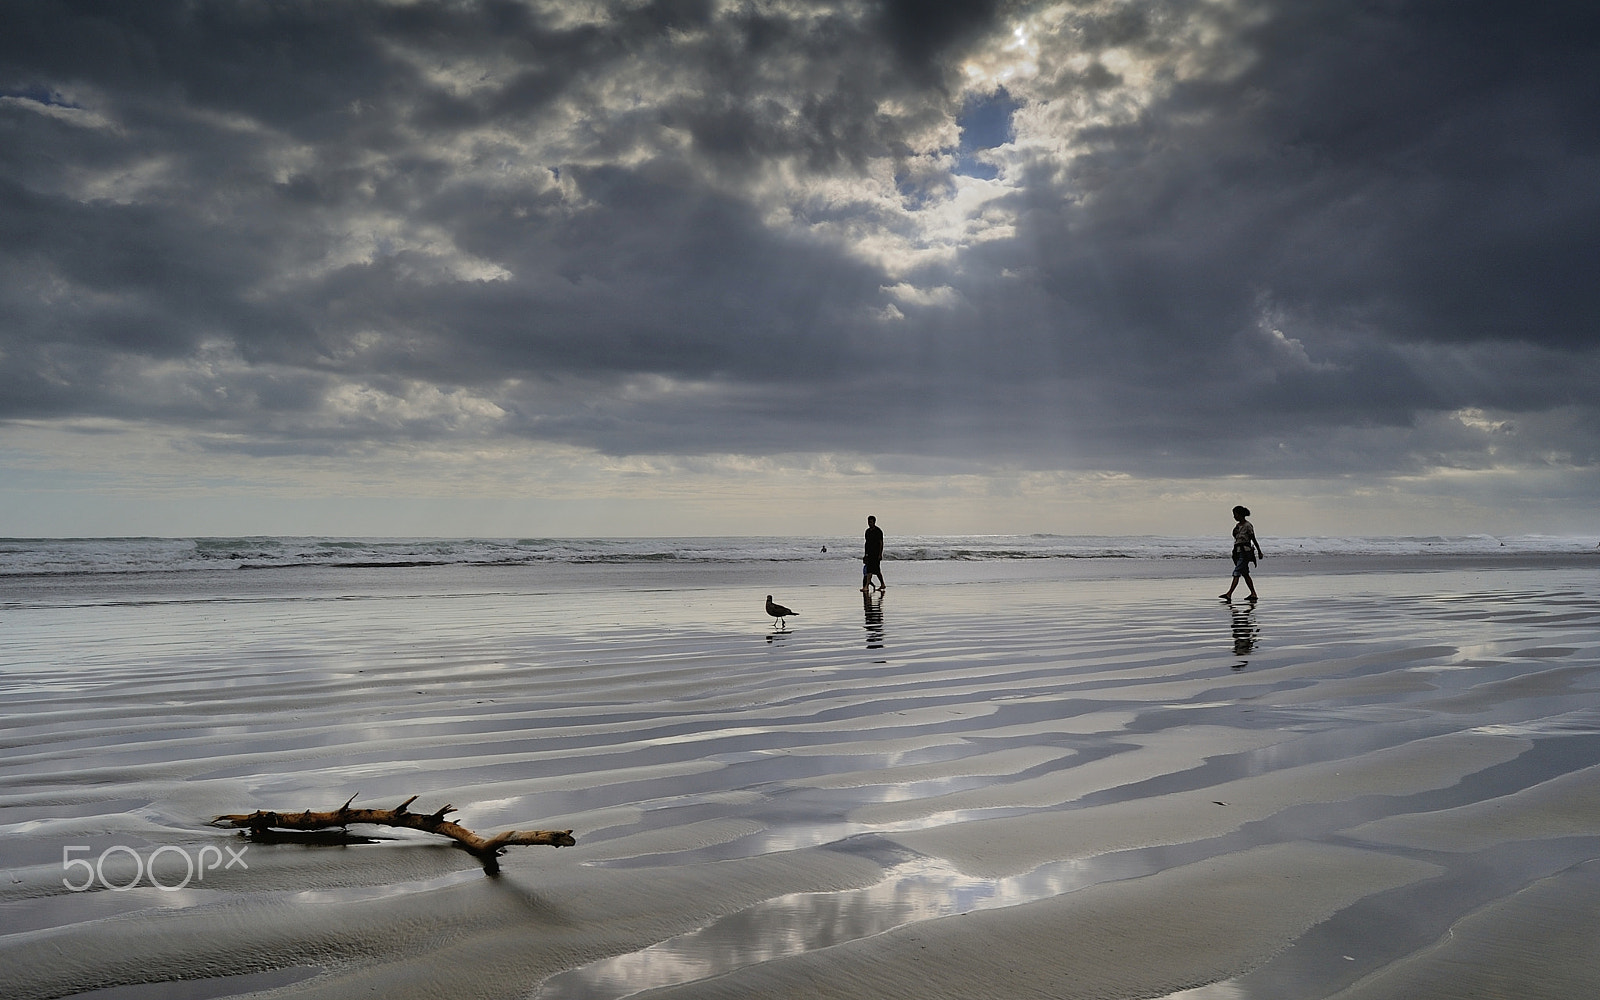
column 1246, row 550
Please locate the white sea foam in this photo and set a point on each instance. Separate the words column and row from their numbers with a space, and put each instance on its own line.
column 93, row 556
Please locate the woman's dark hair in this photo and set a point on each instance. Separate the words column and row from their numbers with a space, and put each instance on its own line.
column 1242, row 511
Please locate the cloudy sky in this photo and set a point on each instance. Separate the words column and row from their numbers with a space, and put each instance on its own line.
column 545, row 267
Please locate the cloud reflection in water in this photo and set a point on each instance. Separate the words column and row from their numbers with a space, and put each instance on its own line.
column 920, row 889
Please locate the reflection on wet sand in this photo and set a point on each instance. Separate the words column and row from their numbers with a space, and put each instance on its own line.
column 918, row 889
column 872, row 609
column 1245, row 631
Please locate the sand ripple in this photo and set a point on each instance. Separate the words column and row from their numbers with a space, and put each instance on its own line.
column 956, row 787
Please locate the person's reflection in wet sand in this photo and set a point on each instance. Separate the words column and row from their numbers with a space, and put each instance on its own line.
column 872, row 608
column 1245, row 631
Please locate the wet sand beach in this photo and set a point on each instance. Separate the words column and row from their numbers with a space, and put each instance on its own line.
column 1039, row 778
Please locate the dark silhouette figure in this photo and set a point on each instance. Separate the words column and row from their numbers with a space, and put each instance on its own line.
column 779, row 612
column 1246, row 550
column 870, row 562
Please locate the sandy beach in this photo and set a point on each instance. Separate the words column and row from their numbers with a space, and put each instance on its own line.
column 1039, row 778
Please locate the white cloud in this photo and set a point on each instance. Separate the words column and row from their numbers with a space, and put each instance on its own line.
column 70, row 113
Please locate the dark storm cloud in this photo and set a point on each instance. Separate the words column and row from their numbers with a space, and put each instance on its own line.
column 922, row 33
column 1386, row 187
column 686, row 227
column 1446, row 158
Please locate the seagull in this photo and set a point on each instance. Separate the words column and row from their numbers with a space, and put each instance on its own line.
column 778, row 611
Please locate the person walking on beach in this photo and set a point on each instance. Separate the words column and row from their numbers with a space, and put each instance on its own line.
column 871, row 561
column 1246, row 550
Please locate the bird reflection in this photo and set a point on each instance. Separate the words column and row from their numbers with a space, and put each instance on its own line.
column 1245, row 631
column 872, row 608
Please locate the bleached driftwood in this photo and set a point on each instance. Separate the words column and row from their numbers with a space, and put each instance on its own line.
column 485, row 849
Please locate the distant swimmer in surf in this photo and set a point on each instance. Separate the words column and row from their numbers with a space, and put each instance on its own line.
column 1246, row 550
column 870, row 562
column 778, row 611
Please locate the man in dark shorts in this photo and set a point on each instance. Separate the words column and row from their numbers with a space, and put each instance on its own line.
column 870, row 563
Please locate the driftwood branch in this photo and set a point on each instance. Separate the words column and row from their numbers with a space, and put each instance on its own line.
column 485, row 849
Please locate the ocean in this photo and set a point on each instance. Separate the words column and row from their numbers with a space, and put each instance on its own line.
column 44, row 557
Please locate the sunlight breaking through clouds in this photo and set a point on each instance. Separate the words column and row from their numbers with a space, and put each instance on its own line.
column 1119, row 237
